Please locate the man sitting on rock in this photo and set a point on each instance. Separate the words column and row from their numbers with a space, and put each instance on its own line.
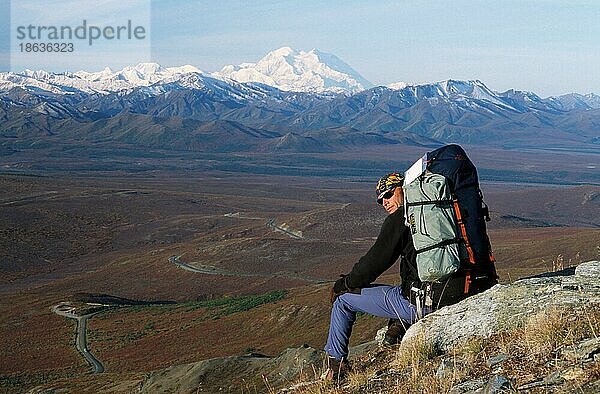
column 355, row 292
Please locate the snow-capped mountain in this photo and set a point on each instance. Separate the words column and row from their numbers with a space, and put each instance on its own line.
column 105, row 81
column 284, row 69
column 460, row 92
column 144, row 74
column 291, row 70
column 578, row 101
column 457, row 91
column 283, row 84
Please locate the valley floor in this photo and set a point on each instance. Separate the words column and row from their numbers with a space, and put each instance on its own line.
column 69, row 238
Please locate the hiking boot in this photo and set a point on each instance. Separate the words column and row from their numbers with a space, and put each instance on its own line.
column 395, row 332
column 336, row 370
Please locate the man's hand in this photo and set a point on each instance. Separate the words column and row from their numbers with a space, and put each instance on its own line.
column 339, row 288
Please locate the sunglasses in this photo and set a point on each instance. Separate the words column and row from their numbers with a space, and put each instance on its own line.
column 387, row 195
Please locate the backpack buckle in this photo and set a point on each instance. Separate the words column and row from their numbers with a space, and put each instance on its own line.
column 419, row 296
column 423, row 299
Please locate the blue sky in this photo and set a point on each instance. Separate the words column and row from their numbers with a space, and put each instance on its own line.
column 546, row 46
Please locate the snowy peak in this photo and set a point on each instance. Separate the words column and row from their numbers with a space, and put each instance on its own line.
column 144, row 74
column 466, row 88
column 283, row 51
column 291, row 70
column 450, row 88
column 578, row 101
column 470, row 93
column 397, row 85
column 105, row 81
column 474, row 89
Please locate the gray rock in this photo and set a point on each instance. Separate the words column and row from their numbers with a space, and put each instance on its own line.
column 497, row 384
column 586, row 350
column 292, row 362
column 493, row 361
column 231, row 373
column 532, row 385
column 468, row 386
column 362, row 349
column 507, row 306
column 554, row 378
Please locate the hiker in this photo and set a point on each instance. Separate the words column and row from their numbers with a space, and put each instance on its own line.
column 403, row 304
column 355, row 292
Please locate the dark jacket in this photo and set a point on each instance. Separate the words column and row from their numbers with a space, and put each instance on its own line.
column 394, row 241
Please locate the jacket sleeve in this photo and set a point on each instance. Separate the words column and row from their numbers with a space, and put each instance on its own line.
column 381, row 256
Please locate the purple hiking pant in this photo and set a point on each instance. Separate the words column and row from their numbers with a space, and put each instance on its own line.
column 379, row 300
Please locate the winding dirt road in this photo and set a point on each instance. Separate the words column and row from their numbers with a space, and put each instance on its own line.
column 210, row 270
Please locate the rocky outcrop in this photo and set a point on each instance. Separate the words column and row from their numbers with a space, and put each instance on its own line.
column 252, row 372
column 507, row 306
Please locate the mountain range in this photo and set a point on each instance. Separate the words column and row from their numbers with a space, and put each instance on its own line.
column 289, row 100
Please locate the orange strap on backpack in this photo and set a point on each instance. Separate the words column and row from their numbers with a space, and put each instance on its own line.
column 467, row 282
column 463, row 233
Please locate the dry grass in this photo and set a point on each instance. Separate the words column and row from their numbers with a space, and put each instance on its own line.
column 534, row 350
column 536, row 347
column 416, row 363
column 544, row 333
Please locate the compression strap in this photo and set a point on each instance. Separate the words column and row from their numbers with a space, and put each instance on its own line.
column 440, row 244
column 432, row 202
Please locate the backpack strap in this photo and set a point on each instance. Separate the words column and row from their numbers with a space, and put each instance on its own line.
column 468, row 281
column 439, row 244
column 431, row 202
column 463, row 230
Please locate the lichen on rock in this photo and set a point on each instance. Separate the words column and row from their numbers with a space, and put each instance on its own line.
column 506, row 306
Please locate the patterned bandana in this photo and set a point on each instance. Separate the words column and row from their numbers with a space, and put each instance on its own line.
column 387, row 183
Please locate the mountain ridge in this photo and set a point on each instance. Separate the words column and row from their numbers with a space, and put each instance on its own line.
column 36, row 105
column 450, row 111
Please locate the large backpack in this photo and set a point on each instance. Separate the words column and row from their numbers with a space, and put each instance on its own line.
column 445, row 211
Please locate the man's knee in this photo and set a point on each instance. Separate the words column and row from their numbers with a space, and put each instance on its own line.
column 343, row 306
column 340, row 302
